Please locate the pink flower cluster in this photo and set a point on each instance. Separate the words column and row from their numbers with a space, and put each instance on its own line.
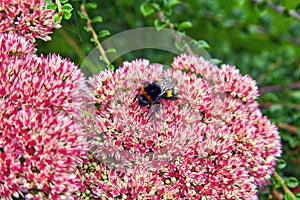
column 211, row 142
column 41, row 142
column 28, row 18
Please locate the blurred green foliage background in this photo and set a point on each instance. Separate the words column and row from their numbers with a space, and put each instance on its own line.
column 261, row 38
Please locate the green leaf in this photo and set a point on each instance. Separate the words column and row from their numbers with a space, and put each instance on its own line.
column 56, row 18
column 216, row 61
column 262, row 6
column 171, row 3
column 276, row 182
column 286, row 13
column 168, row 12
column 67, row 15
column 156, row 6
column 277, row 2
column 158, row 24
column 280, row 164
column 67, row 7
column 91, row 5
column 292, row 142
column 298, row 8
column 291, row 182
column 86, row 29
column 51, row 6
column 146, row 9
column 64, row 1
column 103, row 33
column 97, row 19
column 180, row 45
column 288, row 196
column 185, row 25
column 110, row 66
column 203, row 44
column 111, row 50
column 101, row 58
column 81, row 15
column 93, row 40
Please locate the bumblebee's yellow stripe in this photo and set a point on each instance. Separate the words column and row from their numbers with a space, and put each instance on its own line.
column 169, row 93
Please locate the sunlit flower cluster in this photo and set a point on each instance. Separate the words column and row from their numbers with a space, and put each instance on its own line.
column 40, row 82
column 211, row 142
column 41, row 142
column 28, row 18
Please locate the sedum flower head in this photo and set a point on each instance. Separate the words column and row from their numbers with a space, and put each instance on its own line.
column 41, row 141
column 28, row 18
column 211, row 142
column 39, row 152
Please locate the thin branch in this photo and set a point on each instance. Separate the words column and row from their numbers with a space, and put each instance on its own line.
column 284, row 187
column 59, row 7
column 290, row 128
column 280, row 9
column 176, row 35
column 269, row 104
column 94, row 35
column 274, row 88
column 277, row 195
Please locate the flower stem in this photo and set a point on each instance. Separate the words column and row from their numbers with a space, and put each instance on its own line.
column 283, row 185
column 94, row 34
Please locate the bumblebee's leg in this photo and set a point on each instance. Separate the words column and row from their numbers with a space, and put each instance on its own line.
column 146, row 83
column 170, row 98
column 155, row 108
column 136, row 96
column 156, row 101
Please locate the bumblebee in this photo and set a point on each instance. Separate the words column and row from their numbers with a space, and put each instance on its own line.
column 151, row 94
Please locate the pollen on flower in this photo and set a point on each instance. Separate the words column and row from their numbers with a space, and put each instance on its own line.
column 98, row 181
column 211, row 141
column 11, row 45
